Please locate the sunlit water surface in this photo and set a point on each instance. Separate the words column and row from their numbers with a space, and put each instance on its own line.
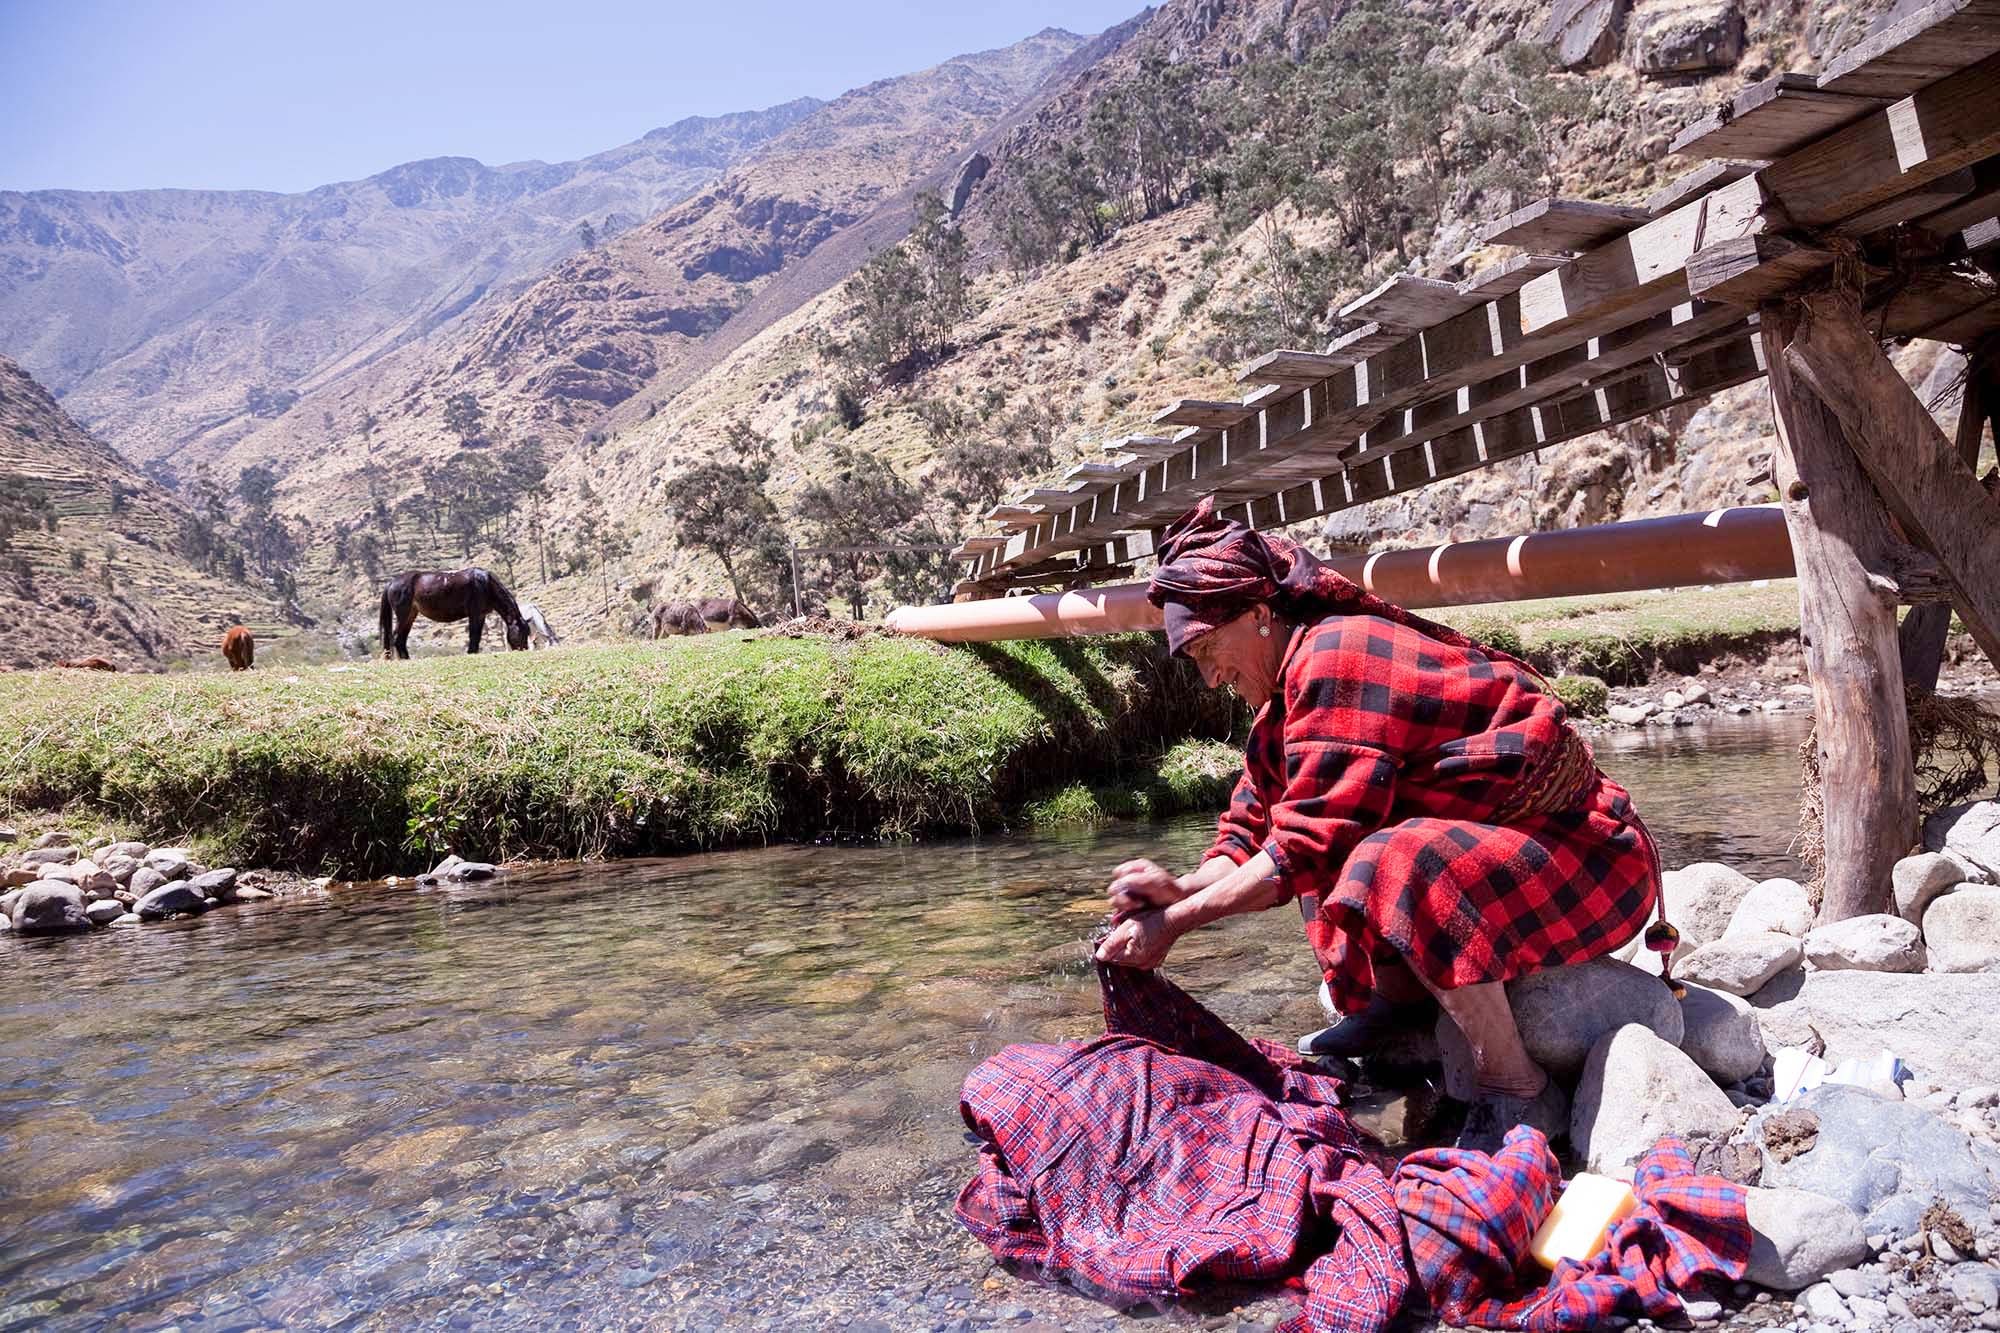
column 718, row 1091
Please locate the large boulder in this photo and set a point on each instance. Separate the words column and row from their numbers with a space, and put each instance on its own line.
column 1942, row 1026
column 1565, row 1011
column 1874, row 943
column 1583, row 34
column 1798, row 1237
column 1962, row 930
column 1722, row 1034
column 175, row 899
column 1871, row 1149
column 1635, row 1090
column 1671, row 37
column 1970, row 833
column 49, row 908
column 1741, row 964
column 214, row 883
column 1701, row 899
column 1780, row 906
column 1919, row 880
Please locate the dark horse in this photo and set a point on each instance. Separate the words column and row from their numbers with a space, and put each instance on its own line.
column 700, row 617
column 462, row 594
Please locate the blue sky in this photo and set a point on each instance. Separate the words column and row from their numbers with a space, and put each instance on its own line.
column 288, row 94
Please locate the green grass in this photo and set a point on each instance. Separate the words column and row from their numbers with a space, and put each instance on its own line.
column 612, row 751
column 1624, row 638
column 1193, row 775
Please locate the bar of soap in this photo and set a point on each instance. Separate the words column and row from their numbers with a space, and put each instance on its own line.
column 1577, row 1226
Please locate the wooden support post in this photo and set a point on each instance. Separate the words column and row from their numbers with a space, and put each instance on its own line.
column 1841, row 538
column 1932, row 492
column 1925, row 628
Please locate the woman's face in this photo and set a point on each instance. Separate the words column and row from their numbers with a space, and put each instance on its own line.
column 1243, row 654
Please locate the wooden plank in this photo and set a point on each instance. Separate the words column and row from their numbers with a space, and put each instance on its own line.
column 1918, row 50
column 1509, row 275
column 1408, row 302
column 1925, row 199
column 1358, row 344
column 1007, row 513
column 1841, row 538
column 1975, row 325
column 1143, row 446
column 1562, row 224
column 1745, row 270
column 1935, row 131
column 1927, row 300
column 1981, row 203
column 1201, row 412
column 1294, row 368
column 1930, row 490
column 1921, row 637
column 1048, row 495
column 1100, row 471
column 1767, row 120
column 1706, row 177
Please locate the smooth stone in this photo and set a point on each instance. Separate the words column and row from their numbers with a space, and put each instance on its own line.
column 171, row 900
column 1970, row 831
column 1857, row 1282
column 250, row 893
column 19, row 877
column 1870, row 1149
column 104, row 911
column 1699, row 1311
column 1877, row 942
column 137, row 851
column 52, row 839
column 1919, row 880
column 49, row 908
column 1635, row 1089
column 214, row 883
column 120, row 867
column 1821, row 1301
column 1941, row 1025
column 169, row 863
column 144, row 880
column 1564, row 1012
column 1741, row 964
column 49, row 856
column 1721, row 1034
column 1631, row 715
column 1868, row 1313
column 1700, row 900
column 1782, row 906
column 1976, row 1287
column 1962, row 930
column 129, row 919
column 1798, row 1238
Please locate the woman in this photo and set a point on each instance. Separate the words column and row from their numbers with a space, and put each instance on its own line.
column 1442, row 826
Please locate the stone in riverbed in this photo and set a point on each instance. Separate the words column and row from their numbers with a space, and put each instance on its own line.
column 1871, row 1149
column 214, row 884
column 1631, row 715
column 104, row 911
column 1783, row 906
column 170, row 863
column 1941, row 1025
column 1920, row 879
column 1722, row 1035
column 48, row 908
column 8, row 899
column 1741, row 964
column 1874, row 943
column 138, row 851
column 1635, row 1089
column 1970, row 832
column 1565, row 1011
column 1962, row 930
column 1701, row 898
column 49, row 856
column 250, row 893
column 120, row 867
column 171, row 900
column 1820, row 1302
column 54, row 838
column 144, row 880
column 19, row 877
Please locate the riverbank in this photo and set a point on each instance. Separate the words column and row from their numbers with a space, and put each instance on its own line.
column 381, row 768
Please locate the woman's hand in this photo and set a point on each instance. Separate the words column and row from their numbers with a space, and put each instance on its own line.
column 1139, row 941
column 1139, row 885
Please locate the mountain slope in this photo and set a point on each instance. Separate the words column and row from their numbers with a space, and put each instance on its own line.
column 106, row 579
column 156, row 313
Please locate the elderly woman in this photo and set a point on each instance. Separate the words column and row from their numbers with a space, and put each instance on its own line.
column 1423, row 798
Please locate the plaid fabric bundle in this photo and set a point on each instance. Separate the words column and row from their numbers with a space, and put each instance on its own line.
column 1386, row 781
column 1172, row 1151
column 1470, row 1217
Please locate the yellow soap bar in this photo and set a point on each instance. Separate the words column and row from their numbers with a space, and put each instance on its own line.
column 1577, row 1226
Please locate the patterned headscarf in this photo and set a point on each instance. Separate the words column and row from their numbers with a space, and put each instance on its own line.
column 1213, row 570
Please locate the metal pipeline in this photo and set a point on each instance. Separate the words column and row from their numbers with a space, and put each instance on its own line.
column 1721, row 546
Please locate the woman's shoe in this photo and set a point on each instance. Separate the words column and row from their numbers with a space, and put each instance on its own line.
column 1360, row 1035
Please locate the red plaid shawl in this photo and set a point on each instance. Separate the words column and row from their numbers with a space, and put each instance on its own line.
column 1386, row 780
column 1171, row 1151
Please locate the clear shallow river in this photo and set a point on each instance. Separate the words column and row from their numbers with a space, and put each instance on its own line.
column 712, row 1092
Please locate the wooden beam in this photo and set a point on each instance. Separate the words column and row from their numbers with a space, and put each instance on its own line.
column 1917, row 50
column 1561, row 224
column 1509, row 275
column 1982, row 203
column 1924, row 200
column 1847, row 626
column 1407, row 302
column 1927, row 486
column 1921, row 638
column 1745, row 270
column 1201, row 412
column 1767, row 120
column 1293, row 368
column 1706, row 177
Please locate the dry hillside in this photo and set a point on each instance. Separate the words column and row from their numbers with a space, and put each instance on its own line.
column 93, row 569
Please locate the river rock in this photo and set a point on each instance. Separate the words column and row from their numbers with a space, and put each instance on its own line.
column 1584, row 33
column 1871, row 1149
column 217, row 884
column 138, row 851
column 1970, row 832
column 1741, row 964
column 1941, row 1025
column 1701, row 899
column 104, row 911
column 1635, row 1089
column 1631, row 715
column 1920, row 879
column 8, row 899
column 1782, row 906
column 19, row 877
column 169, row 863
column 48, row 856
column 1672, row 37
column 1824, row 1306
column 1877, row 942
column 120, row 867
column 8, row 833
column 1565, row 1011
column 48, row 908
column 144, row 880
column 250, row 893
column 1722, row 1034
column 54, row 838
column 1962, row 930
column 171, row 900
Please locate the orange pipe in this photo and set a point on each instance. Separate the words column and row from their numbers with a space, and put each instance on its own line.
column 1685, row 550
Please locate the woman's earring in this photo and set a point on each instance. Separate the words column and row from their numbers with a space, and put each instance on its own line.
column 1263, row 631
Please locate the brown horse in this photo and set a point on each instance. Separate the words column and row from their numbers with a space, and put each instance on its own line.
column 710, row 613
column 462, row 594
column 87, row 664
column 238, row 648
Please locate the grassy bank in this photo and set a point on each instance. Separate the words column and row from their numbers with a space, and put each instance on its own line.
column 1625, row 638
column 614, row 751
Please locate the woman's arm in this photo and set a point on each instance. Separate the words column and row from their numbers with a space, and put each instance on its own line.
column 1142, row 939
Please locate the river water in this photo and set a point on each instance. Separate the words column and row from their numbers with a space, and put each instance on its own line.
column 711, row 1092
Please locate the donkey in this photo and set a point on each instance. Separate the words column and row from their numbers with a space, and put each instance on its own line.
column 700, row 617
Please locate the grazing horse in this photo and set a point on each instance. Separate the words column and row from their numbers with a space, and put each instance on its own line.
column 538, row 626
column 87, row 664
column 462, row 594
column 710, row 613
column 238, row 648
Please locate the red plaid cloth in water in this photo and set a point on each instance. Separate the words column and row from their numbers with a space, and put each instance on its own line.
column 1470, row 1217
column 1171, row 1151
column 1378, row 779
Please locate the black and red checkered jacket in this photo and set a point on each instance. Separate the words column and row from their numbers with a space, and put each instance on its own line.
column 1399, row 782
